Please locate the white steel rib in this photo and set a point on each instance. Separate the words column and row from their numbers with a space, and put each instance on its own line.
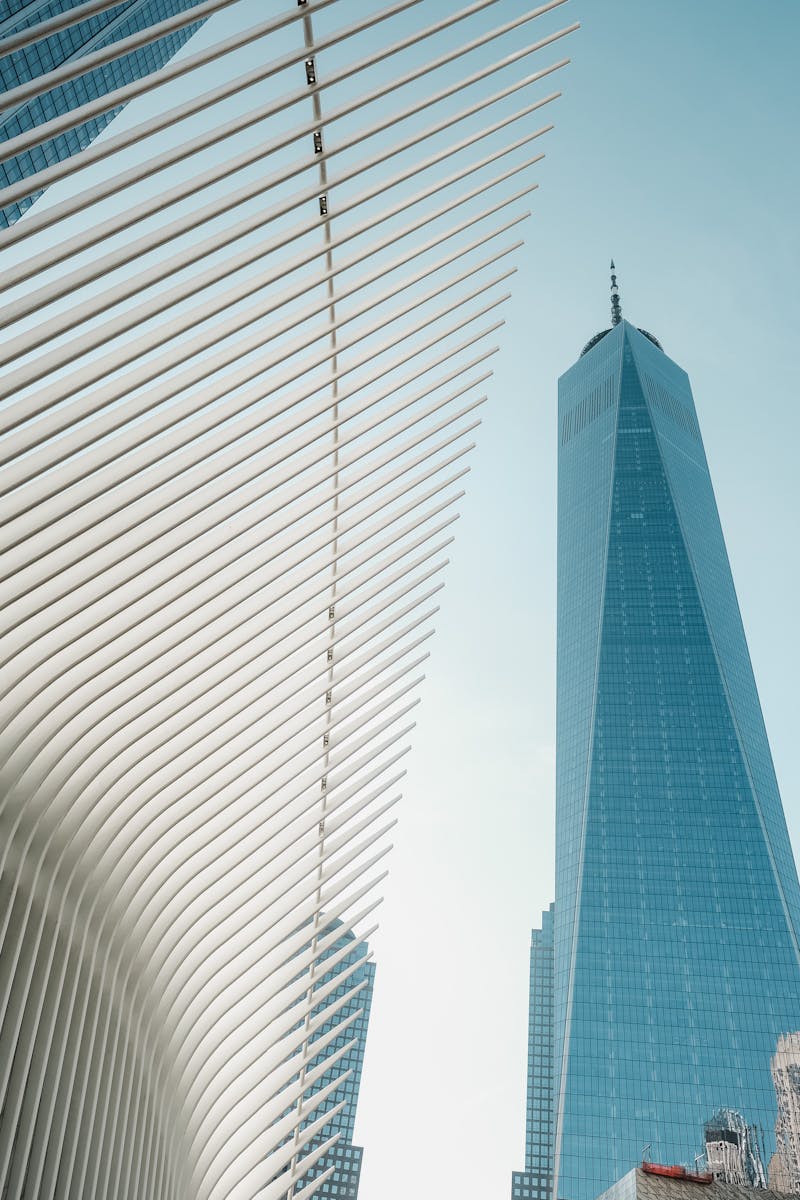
column 246, row 333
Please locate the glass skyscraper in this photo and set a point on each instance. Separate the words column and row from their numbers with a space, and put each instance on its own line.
column 345, row 1157
column 536, row 1181
column 64, row 46
column 677, row 904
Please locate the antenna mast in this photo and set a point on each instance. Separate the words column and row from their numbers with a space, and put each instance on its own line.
column 616, row 307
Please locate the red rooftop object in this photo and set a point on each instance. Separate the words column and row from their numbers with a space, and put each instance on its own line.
column 676, row 1172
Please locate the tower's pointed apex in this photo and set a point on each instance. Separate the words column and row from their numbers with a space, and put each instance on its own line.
column 616, row 307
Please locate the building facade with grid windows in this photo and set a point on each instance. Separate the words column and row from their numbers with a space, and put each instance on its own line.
column 677, row 904
column 67, row 46
column 349, row 1026
column 535, row 1182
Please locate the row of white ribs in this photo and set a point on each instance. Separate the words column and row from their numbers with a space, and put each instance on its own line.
column 234, row 428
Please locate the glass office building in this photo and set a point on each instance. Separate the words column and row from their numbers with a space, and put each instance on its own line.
column 677, row 904
column 536, row 1181
column 65, row 46
column 345, row 1157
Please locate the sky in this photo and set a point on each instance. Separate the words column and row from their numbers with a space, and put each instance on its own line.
column 673, row 152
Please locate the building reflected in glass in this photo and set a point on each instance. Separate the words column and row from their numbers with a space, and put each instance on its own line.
column 784, row 1166
column 733, row 1152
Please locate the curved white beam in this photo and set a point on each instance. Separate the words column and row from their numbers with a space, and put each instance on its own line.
column 235, row 432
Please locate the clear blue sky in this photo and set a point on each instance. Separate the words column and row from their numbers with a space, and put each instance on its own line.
column 675, row 152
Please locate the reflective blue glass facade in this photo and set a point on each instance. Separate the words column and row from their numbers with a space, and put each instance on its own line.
column 65, row 46
column 677, row 901
column 536, row 1181
column 345, row 1157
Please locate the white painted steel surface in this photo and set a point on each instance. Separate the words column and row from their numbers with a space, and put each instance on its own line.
column 242, row 353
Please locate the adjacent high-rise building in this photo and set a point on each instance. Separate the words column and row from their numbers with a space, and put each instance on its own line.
column 65, row 47
column 677, row 903
column 338, row 1064
column 536, row 1181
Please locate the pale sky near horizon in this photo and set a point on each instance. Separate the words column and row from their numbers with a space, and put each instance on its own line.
column 675, row 153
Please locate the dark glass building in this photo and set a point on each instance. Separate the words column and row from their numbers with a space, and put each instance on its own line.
column 65, row 46
column 677, row 904
column 345, row 1157
column 536, row 1181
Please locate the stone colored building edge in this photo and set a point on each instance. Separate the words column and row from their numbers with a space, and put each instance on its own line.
column 639, row 1185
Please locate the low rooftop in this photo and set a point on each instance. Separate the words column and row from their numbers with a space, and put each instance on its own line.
column 642, row 1185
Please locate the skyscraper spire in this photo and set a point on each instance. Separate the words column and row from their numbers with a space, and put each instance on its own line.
column 616, row 307
column 616, row 318
column 656, row 701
